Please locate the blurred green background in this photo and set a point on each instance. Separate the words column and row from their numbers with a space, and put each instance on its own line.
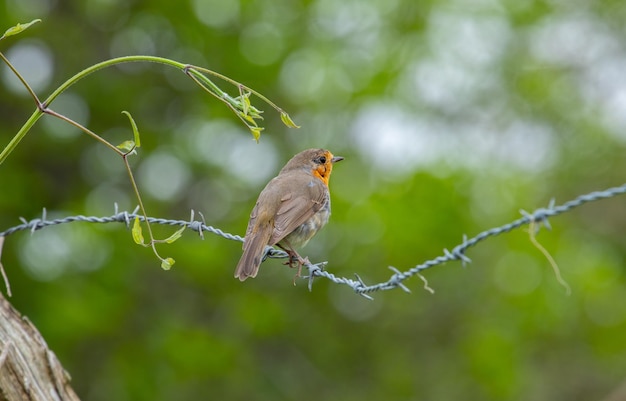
column 452, row 116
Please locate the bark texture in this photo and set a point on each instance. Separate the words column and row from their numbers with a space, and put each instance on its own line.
column 28, row 369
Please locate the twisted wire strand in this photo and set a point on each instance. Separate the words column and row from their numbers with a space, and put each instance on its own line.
column 396, row 280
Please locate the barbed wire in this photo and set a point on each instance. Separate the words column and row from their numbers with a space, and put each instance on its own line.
column 396, row 280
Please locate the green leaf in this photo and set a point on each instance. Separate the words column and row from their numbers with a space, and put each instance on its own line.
column 256, row 132
column 248, row 118
column 127, row 146
column 167, row 263
column 14, row 30
column 135, row 130
column 287, row 120
column 255, row 113
column 137, row 232
column 176, row 235
column 245, row 102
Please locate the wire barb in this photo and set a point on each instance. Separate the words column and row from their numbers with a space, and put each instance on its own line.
column 397, row 278
column 459, row 253
column 362, row 288
column 314, row 271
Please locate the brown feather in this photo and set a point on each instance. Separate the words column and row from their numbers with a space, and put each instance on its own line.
column 253, row 248
column 258, row 233
column 294, row 211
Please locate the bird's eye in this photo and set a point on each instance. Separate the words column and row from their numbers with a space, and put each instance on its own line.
column 321, row 160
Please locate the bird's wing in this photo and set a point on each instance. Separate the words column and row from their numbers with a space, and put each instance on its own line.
column 258, row 233
column 296, row 208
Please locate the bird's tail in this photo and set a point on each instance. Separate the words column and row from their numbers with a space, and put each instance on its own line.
column 253, row 250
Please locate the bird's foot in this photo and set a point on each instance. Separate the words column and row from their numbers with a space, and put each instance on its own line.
column 301, row 262
column 295, row 260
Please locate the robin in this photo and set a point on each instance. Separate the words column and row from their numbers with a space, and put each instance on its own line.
column 290, row 210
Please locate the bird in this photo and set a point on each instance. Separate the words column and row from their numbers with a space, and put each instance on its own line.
column 290, row 210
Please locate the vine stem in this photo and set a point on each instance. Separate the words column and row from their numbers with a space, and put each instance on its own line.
column 42, row 106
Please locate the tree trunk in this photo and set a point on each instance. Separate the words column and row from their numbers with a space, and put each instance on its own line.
column 28, row 369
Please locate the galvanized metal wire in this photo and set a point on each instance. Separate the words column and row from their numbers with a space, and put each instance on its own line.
column 539, row 216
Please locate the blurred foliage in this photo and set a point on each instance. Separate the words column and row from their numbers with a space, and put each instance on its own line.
column 452, row 116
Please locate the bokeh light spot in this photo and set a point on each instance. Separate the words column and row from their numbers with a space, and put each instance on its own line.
column 261, row 43
column 216, row 13
column 72, row 106
column 50, row 253
column 35, row 63
column 222, row 143
column 164, row 176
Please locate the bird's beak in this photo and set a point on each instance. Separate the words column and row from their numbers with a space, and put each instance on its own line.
column 336, row 159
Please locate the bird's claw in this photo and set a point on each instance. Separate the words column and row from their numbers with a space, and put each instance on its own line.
column 300, row 262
